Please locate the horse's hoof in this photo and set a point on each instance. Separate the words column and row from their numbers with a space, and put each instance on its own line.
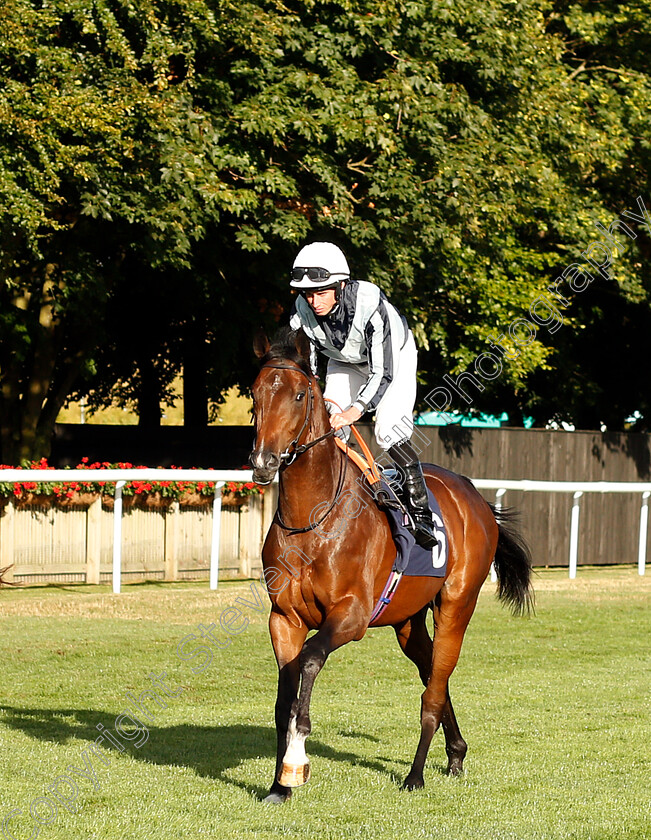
column 455, row 768
column 293, row 775
column 276, row 798
column 413, row 783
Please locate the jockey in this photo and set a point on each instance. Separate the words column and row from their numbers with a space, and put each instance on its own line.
column 372, row 361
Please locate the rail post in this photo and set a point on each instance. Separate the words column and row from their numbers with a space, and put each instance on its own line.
column 117, row 537
column 7, row 535
column 574, row 533
column 215, row 536
column 644, row 527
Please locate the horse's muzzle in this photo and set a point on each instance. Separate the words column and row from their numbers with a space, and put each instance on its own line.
column 265, row 465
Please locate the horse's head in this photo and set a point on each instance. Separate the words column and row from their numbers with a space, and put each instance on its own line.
column 282, row 400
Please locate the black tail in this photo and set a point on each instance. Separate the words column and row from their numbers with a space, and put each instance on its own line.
column 512, row 564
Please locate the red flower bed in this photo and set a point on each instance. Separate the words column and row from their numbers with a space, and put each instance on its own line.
column 82, row 492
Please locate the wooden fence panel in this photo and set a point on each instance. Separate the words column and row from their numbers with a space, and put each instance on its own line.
column 194, row 540
column 609, row 524
column 143, row 544
column 47, row 544
column 76, row 544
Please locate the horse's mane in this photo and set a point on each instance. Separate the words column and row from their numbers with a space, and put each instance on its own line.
column 283, row 346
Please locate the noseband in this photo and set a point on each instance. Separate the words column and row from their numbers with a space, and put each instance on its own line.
column 294, row 449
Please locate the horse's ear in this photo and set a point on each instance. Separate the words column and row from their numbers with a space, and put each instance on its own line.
column 302, row 343
column 260, row 344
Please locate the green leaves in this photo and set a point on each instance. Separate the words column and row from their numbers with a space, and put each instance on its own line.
column 459, row 152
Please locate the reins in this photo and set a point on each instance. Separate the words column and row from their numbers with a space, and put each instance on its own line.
column 313, row 525
column 294, row 449
column 367, row 463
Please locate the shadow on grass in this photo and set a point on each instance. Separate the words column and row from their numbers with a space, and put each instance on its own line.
column 211, row 751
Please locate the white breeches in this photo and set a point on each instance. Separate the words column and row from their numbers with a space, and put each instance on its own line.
column 394, row 414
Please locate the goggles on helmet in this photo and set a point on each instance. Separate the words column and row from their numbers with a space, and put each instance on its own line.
column 312, row 273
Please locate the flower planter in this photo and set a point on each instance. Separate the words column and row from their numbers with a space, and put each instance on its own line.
column 234, row 500
column 153, row 501
column 79, row 499
column 143, row 501
column 108, row 502
column 136, row 493
column 28, row 500
column 194, row 499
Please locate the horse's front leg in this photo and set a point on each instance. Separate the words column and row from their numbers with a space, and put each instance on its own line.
column 287, row 640
column 346, row 622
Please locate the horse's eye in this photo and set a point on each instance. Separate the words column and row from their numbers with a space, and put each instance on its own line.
column 300, row 396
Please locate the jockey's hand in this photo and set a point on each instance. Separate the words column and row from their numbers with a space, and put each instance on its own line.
column 345, row 418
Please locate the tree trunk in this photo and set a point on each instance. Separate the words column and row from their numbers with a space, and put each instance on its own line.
column 26, row 383
column 26, row 427
column 195, row 384
column 149, row 410
column 9, row 426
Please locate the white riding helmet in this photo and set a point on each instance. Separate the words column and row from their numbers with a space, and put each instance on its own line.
column 319, row 265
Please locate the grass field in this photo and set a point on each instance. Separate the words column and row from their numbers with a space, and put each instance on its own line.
column 555, row 709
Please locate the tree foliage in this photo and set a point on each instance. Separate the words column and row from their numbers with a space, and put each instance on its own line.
column 595, row 367
column 161, row 163
column 101, row 166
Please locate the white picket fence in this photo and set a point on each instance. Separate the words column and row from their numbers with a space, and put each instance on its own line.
column 168, row 526
column 220, row 477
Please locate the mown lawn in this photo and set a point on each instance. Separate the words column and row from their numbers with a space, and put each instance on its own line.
column 555, row 709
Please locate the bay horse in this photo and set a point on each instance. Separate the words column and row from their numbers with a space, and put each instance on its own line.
column 329, row 552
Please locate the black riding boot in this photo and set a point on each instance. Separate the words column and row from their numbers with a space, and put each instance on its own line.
column 415, row 493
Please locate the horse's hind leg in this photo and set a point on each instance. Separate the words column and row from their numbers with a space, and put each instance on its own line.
column 415, row 641
column 455, row 746
column 451, row 618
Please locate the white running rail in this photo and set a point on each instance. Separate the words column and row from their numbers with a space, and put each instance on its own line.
column 120, row 478
column 220, row 477
column 578, row 488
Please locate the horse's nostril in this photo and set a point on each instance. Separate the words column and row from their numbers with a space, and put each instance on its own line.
column 273, row 461
column 264, row 460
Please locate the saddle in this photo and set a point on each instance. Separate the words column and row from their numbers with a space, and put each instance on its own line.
column 411, row 559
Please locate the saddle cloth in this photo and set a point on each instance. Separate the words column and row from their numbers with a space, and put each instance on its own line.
column 411, row 558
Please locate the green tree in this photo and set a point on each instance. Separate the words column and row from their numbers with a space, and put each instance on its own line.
column 595, row 368
column 453, row 150
column 161, row 163
column 102, row 164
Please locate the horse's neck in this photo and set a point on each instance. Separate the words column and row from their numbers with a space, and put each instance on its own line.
column 312, row 480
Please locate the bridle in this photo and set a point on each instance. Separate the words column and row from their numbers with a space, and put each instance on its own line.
column 294, row 449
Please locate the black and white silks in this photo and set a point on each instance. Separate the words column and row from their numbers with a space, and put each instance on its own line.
column 364, row 329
